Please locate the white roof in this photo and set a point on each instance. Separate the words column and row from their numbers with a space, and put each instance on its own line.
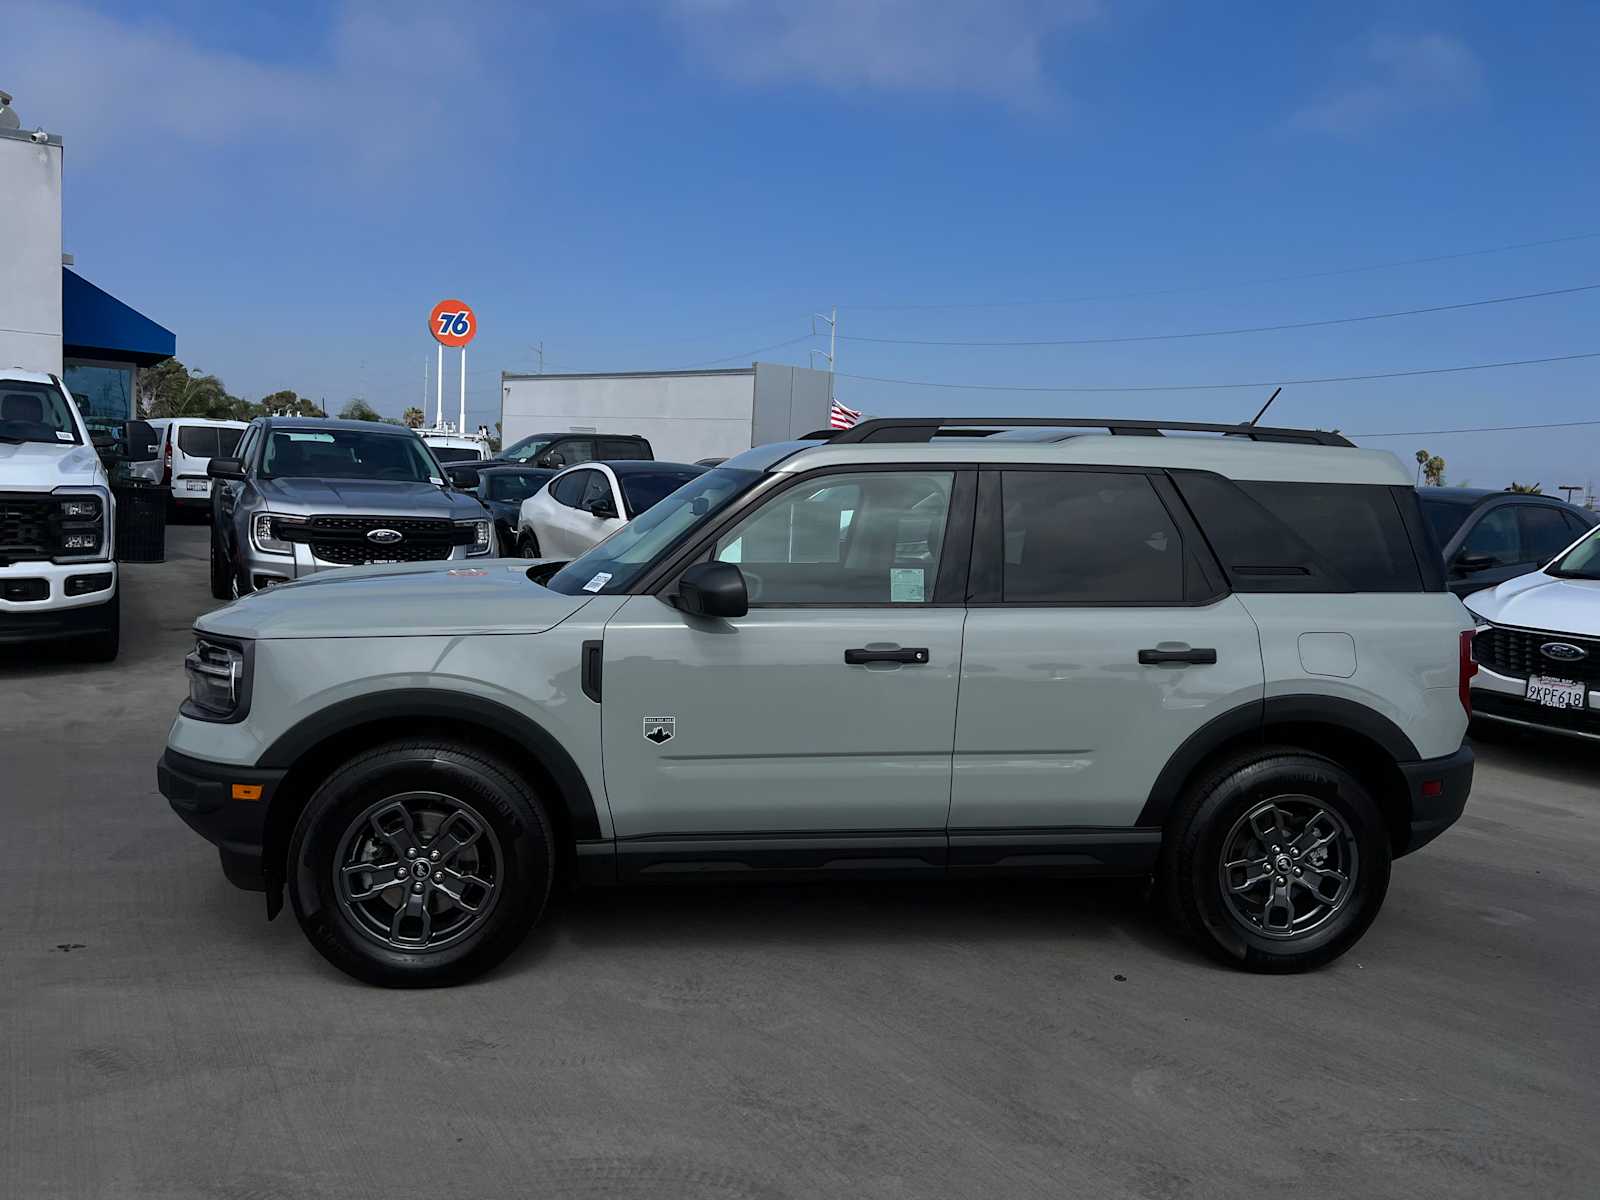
column 19, row 374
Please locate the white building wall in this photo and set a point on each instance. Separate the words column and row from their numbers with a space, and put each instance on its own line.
column 685, row 416
column 30, row 252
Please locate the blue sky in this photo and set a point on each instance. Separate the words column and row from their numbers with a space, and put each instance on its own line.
column 646, row 185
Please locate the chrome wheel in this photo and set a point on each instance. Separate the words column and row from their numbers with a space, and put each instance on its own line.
column 1288, row 866
column 418, row 871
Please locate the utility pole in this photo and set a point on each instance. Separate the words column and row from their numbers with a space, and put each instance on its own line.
column 833, row 340
column 539, row 349
column 1569, row 488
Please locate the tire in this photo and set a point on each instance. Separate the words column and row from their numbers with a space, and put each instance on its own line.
column 528, row 545
column 358, row 919
column 104, row 644
column 1242, row 915
column 221, row 589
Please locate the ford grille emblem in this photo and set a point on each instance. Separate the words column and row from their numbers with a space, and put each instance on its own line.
column 384, row 537
column 1563, row 651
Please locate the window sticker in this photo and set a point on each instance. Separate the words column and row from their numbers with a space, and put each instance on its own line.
column 905, row 585
column 63, row 437
column 598, row 582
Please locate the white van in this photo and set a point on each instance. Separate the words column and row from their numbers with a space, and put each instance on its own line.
column 451, row 447
column 58, row 570
column 188, row 444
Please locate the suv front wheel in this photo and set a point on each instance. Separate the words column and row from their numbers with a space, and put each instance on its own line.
column 420, row 863
column 1277, row 861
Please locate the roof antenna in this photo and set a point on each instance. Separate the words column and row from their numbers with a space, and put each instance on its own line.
column 1256, row 420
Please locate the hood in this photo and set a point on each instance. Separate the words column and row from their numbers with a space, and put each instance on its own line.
column 44, row 466
column 408, row 599
column 367, row 497
column 1540, row 601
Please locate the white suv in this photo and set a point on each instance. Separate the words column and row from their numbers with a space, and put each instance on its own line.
column 1229, row 662
column 58, row 574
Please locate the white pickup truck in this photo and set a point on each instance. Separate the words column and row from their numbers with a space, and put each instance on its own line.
column 58, row 571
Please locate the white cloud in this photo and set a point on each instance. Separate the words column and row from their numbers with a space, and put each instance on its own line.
column 1399, row 76
column 991, row 48
column 383, row 83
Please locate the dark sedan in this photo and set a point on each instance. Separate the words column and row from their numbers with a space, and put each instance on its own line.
column 1489, row 537
column 503, row 489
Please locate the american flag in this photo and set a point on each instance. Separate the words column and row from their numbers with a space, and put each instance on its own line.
column 840, row 417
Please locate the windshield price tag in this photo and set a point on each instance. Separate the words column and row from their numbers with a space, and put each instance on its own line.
column 598, row 582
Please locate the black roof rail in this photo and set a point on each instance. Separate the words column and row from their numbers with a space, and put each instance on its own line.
column 925, row 429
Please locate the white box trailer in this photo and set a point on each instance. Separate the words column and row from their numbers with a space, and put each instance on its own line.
column 686, row 415
column 30, row 251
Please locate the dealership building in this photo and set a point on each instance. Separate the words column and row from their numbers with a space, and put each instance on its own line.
column 51, row 318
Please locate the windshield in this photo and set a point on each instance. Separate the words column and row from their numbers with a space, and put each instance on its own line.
column 527, row 448
column 515, row 485
column 346, row 454
column 1581, row 562
column 35, row 412
column 643, row 492
column 615, row 563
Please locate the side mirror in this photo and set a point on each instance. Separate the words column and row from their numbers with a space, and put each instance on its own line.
column 602, row 508
column 713, row 589
column 102, row 441
column 225, row 468
column 142, row 443
column 1468, row 564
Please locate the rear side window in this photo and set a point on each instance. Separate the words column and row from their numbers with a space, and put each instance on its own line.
column 1544, row 531
column 228, row 442
column 1304, row 537
column 198, row 441
column 622, row 448
column 1085, row 537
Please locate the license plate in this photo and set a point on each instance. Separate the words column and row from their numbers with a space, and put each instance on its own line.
column 196, row 485
column 382, row 562
column 1557, row 693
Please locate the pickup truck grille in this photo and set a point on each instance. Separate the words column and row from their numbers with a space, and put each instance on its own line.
column 343, row 540
column 27, row 528
column 1515, row 652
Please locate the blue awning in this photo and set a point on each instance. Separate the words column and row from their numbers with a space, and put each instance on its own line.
column 95, row 324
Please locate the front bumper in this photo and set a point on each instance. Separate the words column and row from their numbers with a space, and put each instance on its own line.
column 1438, row 788
column 1503, row 700
column 264, row 570
column 54, row 614
column 204, row 794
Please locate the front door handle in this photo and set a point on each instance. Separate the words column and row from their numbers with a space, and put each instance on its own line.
column 911, row 654
column 1178, row 657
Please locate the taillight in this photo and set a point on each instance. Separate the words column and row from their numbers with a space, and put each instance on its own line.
column 1469, row 668
column 166, row 466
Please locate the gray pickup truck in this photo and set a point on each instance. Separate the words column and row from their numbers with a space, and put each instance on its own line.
column 306, row 494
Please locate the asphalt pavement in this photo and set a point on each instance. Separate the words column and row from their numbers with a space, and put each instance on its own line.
column 158, row 1038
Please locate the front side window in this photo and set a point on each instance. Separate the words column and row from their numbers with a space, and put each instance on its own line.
column 513, row 487
column 35, row 412
column 616, row 563
column 857, row 538
column 1544, row 531
column 596, row 489
column 569, row 489
column 526, row 449
column 346, row 454
column 1496, row 537
column 1085, row 537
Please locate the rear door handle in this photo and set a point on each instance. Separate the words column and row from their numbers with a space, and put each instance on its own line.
column 910, row 654
column 1157, row 658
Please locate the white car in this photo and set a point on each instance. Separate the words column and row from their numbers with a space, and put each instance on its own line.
column 586, row 504
column 1538, row 645
column 187, row 446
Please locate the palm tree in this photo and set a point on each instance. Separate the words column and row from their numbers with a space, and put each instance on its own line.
column 1527, row 489
column 193, row 396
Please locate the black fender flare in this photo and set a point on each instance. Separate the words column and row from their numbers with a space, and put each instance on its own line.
column 412, row 703
column 1250, row 721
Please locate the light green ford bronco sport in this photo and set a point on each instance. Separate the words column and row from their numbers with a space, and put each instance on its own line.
column 926, row 647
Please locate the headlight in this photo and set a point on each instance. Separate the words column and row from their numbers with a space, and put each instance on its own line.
column 263, row 529
column 81, row 508
column 83, row 531
column 219, row 679
column 482, row 536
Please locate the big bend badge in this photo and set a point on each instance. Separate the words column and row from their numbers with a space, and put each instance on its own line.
column 659, row 729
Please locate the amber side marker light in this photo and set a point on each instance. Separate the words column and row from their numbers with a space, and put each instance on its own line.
column 247, row 791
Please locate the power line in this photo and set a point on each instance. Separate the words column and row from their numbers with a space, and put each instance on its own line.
column 1209, row 387
column 1475, row 429
column 1208, row 287
column 1205, row 333
column 748, row 354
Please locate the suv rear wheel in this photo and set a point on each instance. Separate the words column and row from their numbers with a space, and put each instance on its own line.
column 420, row 863
column 1277, row 861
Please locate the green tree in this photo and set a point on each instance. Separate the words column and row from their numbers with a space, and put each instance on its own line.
column 413, row 417
column 158, row 385
column 1430, row 469
column 1528, row 489
column 357, row 409
column 289, row 403
column 192, row 396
